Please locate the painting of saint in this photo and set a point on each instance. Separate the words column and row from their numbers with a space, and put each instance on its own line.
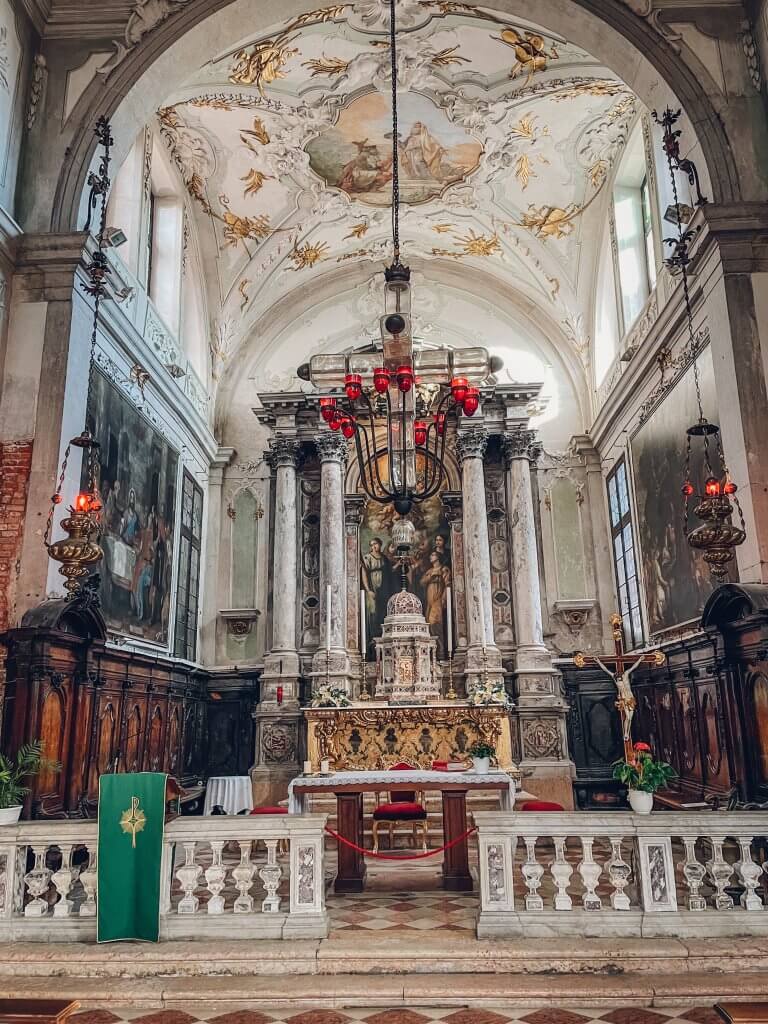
column 429, row 576
column 676, row 579
column 355, row 155
column 138, row 472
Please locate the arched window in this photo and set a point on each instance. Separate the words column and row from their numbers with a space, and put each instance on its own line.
column 165, row 240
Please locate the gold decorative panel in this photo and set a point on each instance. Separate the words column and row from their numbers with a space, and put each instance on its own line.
column 371, row 737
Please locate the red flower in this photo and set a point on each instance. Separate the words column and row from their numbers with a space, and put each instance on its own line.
column 643, row 747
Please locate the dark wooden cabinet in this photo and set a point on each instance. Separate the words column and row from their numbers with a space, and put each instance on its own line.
column 100, row 708
column 594, row 737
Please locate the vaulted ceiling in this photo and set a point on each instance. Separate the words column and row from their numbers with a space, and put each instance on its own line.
column 508, row 135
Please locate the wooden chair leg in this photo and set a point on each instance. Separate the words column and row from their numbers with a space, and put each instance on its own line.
column 376, row 837
column 391, row 835
column 424, row 837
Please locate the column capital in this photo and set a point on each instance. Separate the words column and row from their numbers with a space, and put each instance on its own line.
column 521, row 444
column 332, row 447
column 219, row 463
column 283, row 451
column 471, row 443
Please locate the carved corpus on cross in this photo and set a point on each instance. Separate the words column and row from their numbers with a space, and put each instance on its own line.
column 620, row 666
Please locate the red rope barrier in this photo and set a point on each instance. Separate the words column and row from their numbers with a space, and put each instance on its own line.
column 390, row 856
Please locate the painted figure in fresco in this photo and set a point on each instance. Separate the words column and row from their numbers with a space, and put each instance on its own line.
column 130, row 525
column 435, row 582
column 142, row 573
column 423, row 156
column 377, row 579
column 360, row 173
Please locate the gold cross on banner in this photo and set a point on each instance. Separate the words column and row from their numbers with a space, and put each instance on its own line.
column 133, row 820
column 620, row 666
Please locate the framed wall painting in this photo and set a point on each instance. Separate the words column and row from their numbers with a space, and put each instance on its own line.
column 657, row 874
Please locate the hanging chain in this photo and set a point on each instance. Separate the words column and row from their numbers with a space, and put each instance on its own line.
column 395, row 138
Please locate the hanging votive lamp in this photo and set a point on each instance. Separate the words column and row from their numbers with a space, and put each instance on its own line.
column 327, row 405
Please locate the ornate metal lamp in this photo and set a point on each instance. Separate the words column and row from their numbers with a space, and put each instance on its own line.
column 397, row 403
column 80, row 550
column 714, row 497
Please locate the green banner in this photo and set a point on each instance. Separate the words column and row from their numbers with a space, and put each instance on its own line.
column 131, row 822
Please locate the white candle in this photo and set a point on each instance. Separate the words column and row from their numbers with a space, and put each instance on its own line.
column 328, row 617
column 449, row 623
column 362, row 623
column 325, row 767
column 307, row 767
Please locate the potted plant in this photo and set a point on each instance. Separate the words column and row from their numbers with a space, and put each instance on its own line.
column 488, row 693
column 330, row 697
column 642, row 776
column 29, row 761
column 481, row 754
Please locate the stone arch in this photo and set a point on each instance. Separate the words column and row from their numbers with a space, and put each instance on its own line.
column 158, row 63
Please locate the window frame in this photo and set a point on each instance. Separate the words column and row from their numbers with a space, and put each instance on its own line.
column 185, row 634
column 625, row 564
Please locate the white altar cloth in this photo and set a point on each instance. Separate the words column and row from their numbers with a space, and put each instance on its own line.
column 420, row 779
column 233, row 792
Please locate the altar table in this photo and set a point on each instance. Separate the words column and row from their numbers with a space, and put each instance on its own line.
column 349, row 788
column 232, row 792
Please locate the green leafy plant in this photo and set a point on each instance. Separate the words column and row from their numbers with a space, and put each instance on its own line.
column 330, row 697
column 644, row 773
column 482, row 749
column 30, row 760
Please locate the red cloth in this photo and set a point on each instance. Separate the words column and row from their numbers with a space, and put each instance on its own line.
column 404, row 810
column 541, row 805
column 269, row 810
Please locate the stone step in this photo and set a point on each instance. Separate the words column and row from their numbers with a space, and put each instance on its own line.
column 410, row 990
column 363, row 953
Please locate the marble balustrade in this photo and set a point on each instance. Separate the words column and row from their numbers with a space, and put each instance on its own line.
column 591, row 874
column 224, row 876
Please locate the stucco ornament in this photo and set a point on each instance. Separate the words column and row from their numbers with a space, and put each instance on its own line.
column 145, row 16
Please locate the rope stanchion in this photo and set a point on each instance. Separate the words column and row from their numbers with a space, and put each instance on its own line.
column 399, row 857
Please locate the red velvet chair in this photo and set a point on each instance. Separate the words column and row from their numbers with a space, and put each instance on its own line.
column 541, row 805
column 406, row 808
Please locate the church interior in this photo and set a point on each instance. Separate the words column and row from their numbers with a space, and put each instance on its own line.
column 384, row 512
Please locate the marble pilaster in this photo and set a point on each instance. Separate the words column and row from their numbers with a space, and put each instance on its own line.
column 541, row 708
column 483, row 656
column 212, row 598
column 331, row 661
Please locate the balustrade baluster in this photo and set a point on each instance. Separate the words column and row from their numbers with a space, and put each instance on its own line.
column 88, row 880
column 619, row 873
column 532, row 872
column 63, row 880
column 590, row 872
column 749, row 873
column 215, row 876
column 243, row 878
column 694, row 872
column 188, row 874
column 561, row 872
column 720, row 872
column 37, row 882
column 270, row 875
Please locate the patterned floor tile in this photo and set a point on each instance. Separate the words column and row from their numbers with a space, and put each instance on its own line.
column 94, row 1017
column 635, row 1016
column 318, row 1017
column 554, row 1016
column 166, row 1017
column 701, row 1015
column 396, row 1017
column 475, row 1017
column 240, row 1017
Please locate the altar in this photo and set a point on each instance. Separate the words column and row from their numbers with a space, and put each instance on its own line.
column 373, row 735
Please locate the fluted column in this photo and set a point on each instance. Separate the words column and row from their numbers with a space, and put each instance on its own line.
column 282, row 664
column 483, row 657
column 331, row 660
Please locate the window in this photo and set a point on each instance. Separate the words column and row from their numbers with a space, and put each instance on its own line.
column 633, row 220
column 624, row 561
column 188, row 591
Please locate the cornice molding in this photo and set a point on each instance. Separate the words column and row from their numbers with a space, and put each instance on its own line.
column 38, row 12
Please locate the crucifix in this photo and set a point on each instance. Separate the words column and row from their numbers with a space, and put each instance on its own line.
column 620, row 666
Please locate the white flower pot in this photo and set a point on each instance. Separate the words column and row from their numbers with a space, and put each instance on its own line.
column 640, row 802
column 481, row 765
column 9, row 815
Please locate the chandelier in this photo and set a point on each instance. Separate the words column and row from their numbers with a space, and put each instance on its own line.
column 713, row 496
column 394, row 401
column 80, row 550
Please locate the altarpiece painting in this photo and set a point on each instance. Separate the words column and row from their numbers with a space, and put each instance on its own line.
column 138, row 472
column 676, row 579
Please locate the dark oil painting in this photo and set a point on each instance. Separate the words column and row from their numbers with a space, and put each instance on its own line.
column 138, row 472
column 676, row 579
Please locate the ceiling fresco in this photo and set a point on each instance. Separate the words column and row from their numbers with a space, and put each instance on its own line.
column 507, row 137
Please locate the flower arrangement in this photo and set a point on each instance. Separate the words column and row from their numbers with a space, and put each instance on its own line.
column 482, row 749
column 643, row 773
column 488, row 693
column 331, row 697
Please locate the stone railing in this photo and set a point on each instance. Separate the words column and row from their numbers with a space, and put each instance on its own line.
column 686, row 874
column 227, row 877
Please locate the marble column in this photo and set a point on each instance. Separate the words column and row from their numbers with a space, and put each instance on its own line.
column 214, row 583
column 541, row 707
column 331, row 661
column 278, row 716
column 483, row 656
column 281, row 666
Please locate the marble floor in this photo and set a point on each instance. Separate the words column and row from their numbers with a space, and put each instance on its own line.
column 401, row 1015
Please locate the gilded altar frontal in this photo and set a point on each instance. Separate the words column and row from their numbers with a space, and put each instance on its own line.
column 383, row 516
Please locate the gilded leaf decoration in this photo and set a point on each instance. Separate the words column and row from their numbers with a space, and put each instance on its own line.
column 443, row 229
column 263, row 64
column 355, row 254
column 326, row 66
column 443, row 58
column 530, row 52
column 591, row 87
column 358, row 230
column 472, row 244
column 258, row 132
column 550, row 221
column 524, row 170
column 254, row 180
column 241, row 229
column 308, row 255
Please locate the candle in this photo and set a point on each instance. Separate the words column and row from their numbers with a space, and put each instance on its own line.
column 279, row 695
column 325, row 767
column 362, row 623
column 328, row 618
column 449, row 623
column 307, row 767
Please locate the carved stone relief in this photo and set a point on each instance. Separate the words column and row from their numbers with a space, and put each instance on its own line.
column 541, row 738
column 498, row 537
column 279, row 742
column 309, row 498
